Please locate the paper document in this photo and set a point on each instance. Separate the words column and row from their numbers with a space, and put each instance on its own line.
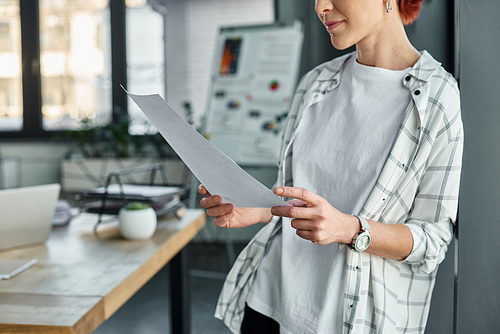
column 215, row 170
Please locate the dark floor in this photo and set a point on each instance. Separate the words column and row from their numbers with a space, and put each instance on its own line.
column 148, row 311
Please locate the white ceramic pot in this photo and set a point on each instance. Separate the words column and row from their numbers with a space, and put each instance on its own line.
column 137, row 224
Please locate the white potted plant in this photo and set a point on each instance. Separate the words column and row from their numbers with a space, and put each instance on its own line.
column 137, row 221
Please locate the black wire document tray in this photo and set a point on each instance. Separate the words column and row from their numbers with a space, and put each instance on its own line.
column 138, row 192
column 163, row 198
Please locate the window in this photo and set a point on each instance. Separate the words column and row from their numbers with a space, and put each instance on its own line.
column 75, row 63
column 11, row 105
column 55, row 65
column 145, row 26
column 62, row 61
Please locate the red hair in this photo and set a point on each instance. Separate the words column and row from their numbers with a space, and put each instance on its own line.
column 409, row 10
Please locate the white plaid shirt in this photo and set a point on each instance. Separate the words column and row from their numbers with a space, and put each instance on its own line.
column 418, row 186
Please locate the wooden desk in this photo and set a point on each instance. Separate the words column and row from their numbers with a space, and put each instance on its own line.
column 80, row 280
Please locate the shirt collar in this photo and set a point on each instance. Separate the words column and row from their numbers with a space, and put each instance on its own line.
column 425, row 67
column 422, row 70
column 331, row 71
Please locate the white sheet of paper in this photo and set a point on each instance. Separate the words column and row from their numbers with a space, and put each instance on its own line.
column 215, row 170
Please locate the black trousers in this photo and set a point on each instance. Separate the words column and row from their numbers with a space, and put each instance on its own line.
column 257, row 323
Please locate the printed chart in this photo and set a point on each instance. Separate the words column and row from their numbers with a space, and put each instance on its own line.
column 254, row 75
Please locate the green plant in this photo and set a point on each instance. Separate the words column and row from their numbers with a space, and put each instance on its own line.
column 123, row 144
column 137, row 206
column 87, row 140
column 111, row 140
column 115, row 140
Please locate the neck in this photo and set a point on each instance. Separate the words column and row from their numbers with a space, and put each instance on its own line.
column 388, row 48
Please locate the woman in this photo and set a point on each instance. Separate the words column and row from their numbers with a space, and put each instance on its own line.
column 371, row 156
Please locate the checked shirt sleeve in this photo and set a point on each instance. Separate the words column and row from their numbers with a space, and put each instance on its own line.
column 434, row 210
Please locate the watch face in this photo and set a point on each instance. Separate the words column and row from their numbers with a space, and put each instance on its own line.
column 363, row 241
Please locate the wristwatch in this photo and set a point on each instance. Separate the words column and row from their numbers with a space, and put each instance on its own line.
column 363, row 239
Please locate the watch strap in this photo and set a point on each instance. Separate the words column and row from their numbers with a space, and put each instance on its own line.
column 364, row 224
column 364, row 228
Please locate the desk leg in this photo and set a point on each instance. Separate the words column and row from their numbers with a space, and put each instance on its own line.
column 179, row 282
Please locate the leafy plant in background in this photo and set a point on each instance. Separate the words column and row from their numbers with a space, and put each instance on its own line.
column 111, row 140
column 123, row 144
column 87, row 140
column 114, row 139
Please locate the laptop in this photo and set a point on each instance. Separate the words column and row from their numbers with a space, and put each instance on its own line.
column 26, row 214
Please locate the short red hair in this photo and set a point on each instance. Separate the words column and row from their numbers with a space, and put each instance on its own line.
column 409, row 10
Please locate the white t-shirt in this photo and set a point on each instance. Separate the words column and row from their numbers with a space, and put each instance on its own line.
column 339, row 151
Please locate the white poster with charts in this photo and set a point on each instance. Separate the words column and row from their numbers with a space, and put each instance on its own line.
column 254, row 75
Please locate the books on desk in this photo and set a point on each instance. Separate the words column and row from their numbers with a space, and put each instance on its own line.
column 10, row 268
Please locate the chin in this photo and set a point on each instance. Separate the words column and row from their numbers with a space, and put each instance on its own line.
column 339, row 44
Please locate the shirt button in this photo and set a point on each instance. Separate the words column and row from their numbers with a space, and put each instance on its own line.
column 417, row 92
column 407, row 78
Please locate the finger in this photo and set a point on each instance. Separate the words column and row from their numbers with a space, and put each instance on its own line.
column 307, row 235
column 211, row 201
column 225, row 220
column 220, row 210
column 304, row 195
column 292, row 212
column 202, row 190
column 302, row 224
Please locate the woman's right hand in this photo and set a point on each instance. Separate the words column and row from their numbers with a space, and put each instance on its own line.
column 227, row 216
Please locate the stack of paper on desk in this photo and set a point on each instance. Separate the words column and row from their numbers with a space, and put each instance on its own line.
column 136, row 192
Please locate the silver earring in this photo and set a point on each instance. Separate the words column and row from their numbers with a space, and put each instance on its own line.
column 388, row 6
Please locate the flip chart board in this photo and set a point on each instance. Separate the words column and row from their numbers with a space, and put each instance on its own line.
column 254, row 75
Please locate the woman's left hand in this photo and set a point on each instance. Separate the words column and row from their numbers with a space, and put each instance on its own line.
column 314, row 218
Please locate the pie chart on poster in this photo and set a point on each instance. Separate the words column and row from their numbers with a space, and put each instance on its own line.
column 274, row 85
